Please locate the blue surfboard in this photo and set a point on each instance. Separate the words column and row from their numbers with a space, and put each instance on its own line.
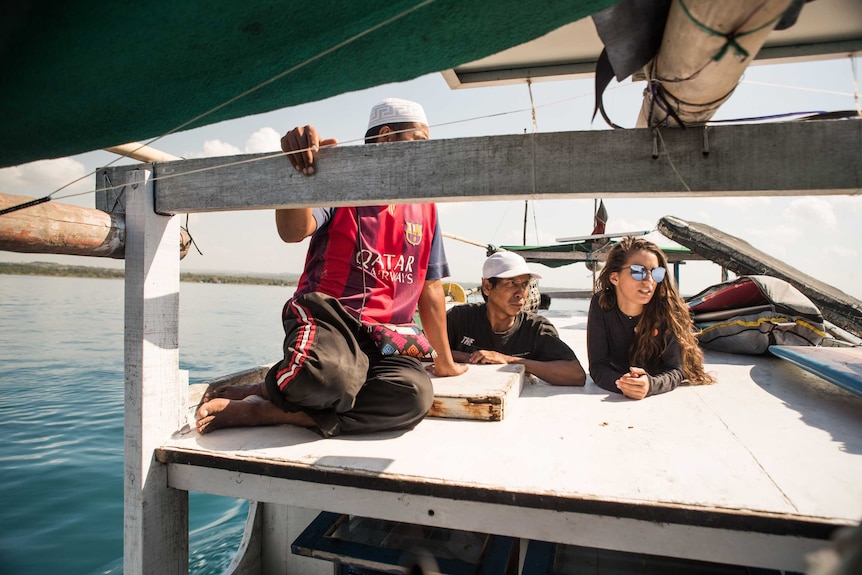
column 841, row 366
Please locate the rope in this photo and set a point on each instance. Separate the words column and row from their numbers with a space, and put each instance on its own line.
column 191, row 239
column 438, row 125
column 248, row 92
column 314, row 58
column 657, row 132
column 770, row 117
column 855, row 87
column 356, row 140
column 533, row 141
column 661, row 96
column 671, row 104
column 799, row 88
column 225, row 165
column 36, row 202
column 729, row 37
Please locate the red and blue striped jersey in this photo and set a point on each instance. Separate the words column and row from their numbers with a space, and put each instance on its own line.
column 375, row 259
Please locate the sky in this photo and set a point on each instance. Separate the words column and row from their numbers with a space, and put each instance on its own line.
column 820, row 235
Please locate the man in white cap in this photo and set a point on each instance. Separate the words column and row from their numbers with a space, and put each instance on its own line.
column 500, row 331
column 391, row 120
column 351, row 361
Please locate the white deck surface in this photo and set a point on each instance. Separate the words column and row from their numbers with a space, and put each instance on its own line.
column 755, row 470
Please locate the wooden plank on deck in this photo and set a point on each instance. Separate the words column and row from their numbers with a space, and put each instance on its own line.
column 484, row 392
column 758, row 469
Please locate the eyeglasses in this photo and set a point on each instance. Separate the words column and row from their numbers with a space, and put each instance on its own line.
column 639, row 273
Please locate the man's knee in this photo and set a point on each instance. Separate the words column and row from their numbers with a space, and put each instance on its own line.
column 417, row 403
column 424, row 396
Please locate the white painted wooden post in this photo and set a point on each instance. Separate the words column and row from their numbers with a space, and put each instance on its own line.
column 155, row 527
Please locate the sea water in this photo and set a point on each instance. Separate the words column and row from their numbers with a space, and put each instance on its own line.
column 61, row 416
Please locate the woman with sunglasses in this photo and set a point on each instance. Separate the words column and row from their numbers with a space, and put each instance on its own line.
column 640, row 338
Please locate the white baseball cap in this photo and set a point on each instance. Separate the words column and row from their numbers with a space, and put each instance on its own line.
column 395, row 110
column 506, row 265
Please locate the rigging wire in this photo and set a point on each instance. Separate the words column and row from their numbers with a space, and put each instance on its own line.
column 657, row 133
column 798, row 88
column 438, row 125
column 855, row 86
column 533, row 141
column 276, row 154
column 248, row 92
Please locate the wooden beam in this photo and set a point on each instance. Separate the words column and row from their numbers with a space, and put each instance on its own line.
column 141, row 152
column 783, row 159
column 699, row 542
column 54, row 228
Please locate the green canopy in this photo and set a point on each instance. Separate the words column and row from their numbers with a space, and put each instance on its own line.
column 85, row 75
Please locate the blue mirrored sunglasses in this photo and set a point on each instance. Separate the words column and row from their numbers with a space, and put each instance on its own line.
column 639, row 273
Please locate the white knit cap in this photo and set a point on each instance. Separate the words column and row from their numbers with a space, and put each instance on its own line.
column 393, row 110
column 506, row 265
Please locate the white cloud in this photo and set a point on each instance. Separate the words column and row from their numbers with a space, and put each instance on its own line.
column 740, row 202
column 624, row 225
column 264, row 140
column 839, row 253
column 846, row 205
column 810, row 210
column 778, row 240
column 833, row 265
column 38, row 179
column 214, row 148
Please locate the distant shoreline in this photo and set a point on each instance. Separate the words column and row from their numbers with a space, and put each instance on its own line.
column 61, row 270
column 285, row 280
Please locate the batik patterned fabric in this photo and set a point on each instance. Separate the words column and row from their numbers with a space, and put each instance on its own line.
column 400, row 339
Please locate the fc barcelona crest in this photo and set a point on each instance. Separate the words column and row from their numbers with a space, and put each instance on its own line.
column 413, row 233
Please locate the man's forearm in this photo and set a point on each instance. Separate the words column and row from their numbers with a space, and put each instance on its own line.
column 432, row 312
column 461, row 356
column 557, row 372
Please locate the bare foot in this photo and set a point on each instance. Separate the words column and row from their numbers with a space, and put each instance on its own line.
column 250, row 411
column 237, row 391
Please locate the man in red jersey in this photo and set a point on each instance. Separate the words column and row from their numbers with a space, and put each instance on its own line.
column 366, row 267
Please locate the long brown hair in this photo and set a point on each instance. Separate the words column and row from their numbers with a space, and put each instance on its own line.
column 666, row 308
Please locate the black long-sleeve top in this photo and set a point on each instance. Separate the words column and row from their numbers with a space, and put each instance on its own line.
column 609, row 338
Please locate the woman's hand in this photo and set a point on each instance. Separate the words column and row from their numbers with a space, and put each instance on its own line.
column 634, row 384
